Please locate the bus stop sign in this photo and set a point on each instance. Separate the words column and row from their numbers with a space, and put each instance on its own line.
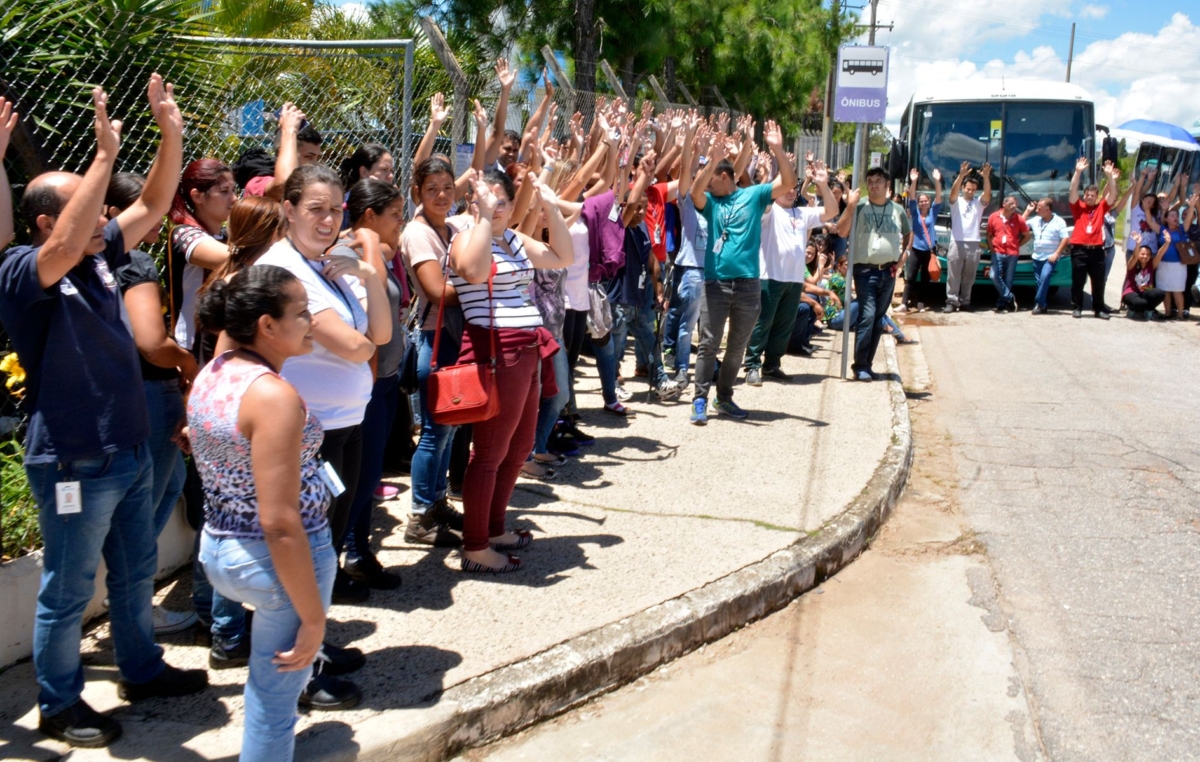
column 861, row 92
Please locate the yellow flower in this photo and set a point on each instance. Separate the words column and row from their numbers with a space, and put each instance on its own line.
column 11, row 365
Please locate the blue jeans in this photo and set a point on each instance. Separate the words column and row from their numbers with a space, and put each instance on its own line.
column 243, row 570
column 874, row 287
column 1043, row 269
column 551, row 407
column 224, row 618
column 639, row 321
column 431, row 460
column 687, row 291
column 165, row 403
column 802, row 327
column 888, row 323
column 1004, row 269
column 606, row 363
column 117, row 521
column 376, row 427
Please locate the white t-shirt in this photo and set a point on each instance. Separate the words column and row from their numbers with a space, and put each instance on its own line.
column 1137, row 224
column 784, row 239
column 965, row 217
column 578, row 297
column 335, row 390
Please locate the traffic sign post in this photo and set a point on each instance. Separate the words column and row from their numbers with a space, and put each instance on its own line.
column 860, row 96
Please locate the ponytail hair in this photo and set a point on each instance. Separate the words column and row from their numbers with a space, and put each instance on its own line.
column 372, row 194
column 234, row 306
column 365, row 157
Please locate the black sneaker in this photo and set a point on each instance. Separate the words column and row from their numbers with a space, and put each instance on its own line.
column 425, row 529
column 581, row 439
column 341, row 661
column 224, row 656
column 349, row 590
column 170, row 682
column 778, row 374
column 80, row 725
column 325, row 692
column 367, row 570
column 447, row 514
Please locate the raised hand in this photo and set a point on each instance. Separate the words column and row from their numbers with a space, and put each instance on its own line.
column 545, row 193
column 937, row 175
column 437, row 109
column 485, row 200
column 820, row 173
column 852, row 198
column 546, row 83
column 773, row 135
column 913, row 175
column 964, row 168
column 481, row 118
column 1081, row 164
column 1108, row 168
column 290, row 119
column 163, row 106
column 808, row 157
column 506, row 75
column 8, row 123
column 108, row 132
column 986, row 170
column 648, row 163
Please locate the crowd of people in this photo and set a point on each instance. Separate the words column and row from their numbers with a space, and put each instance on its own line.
column 302, row 316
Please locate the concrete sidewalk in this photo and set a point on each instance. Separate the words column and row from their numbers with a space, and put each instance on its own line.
column 660, row 538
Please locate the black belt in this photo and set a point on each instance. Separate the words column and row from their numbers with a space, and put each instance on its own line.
column 886, row 266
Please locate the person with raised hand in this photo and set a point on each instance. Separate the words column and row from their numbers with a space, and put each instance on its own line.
column 502, row 145
column 86, row 452
column 266, row 538
column 1087, row 239
column 492, row 252
column 732, row 292
column 8, row 123
column 966, row 217
column 923, row 212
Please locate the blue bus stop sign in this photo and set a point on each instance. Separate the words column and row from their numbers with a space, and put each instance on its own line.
column 861, row 92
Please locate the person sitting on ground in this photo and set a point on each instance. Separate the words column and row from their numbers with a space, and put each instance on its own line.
column 966, row 212
column 1050, row 239
column 923, row 213
column 492, row 267
column 1007, row 233
column 86, row 453
column 1139, row 294
column 883, row 237
column 167, row 371
column 1087, row 239
column 266, row 539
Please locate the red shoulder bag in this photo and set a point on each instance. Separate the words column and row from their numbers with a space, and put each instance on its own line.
column 464, row 393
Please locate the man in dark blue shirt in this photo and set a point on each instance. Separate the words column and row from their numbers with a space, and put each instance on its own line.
column 86, row 455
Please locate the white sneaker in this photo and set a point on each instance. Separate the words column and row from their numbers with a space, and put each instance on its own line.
column 623, row 394
column 901, row 309
column 669, row 390
column 168, row 622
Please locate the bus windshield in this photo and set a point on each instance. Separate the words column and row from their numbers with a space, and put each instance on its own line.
column 1031, row 145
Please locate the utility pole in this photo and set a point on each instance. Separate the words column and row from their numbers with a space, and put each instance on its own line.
column 1071, row 52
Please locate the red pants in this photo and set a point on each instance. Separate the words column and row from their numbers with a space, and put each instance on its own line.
column 502, row 445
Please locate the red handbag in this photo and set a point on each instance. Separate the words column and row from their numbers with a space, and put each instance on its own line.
column 464, row 393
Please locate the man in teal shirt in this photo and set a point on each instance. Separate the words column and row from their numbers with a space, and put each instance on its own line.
column 732, row 292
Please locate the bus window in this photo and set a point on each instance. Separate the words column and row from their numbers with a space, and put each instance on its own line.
column 947, row 134
column 1041, row 144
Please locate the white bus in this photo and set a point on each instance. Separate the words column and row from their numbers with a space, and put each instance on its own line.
column 1030, row 132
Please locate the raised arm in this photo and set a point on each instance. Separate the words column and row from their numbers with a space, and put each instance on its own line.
column 937, row 186
column 438, row 113
column 534, row 126
column 829, row 204
column 716, row 153
column 645, row 175
column 147, row 212
column 67, row 243
column 1073, row 194
column 963, row 169
column 685, row 156
column 471, row 255
column 507, row 77
column 560, row 251
column 986, row 199
column 287, row 153
column 1113, row 176
column 571, row 190
column 8, row 123
column 786, row 180
column 847, row 221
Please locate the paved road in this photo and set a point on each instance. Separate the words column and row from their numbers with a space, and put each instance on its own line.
column 1036, row 595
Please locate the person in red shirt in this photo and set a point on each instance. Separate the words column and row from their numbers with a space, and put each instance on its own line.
column 1007, row 232
column 1087, row 239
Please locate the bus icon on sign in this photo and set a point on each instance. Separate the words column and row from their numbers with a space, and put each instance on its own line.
column 870, row 66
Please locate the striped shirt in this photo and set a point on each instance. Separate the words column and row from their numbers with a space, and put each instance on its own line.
column 511, row 296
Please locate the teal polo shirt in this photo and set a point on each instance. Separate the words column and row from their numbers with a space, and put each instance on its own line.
column 735, row 232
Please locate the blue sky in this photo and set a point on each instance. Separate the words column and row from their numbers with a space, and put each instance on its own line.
column 1137, row 59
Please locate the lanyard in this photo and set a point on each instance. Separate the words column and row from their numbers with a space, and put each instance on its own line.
column 333, row 286
column 262, row 360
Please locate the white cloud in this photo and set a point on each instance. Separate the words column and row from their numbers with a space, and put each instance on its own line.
column 356, row 12
column 934, row 40
column 1093, row 12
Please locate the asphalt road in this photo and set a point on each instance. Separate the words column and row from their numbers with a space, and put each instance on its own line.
column 1078, row 468
column 1035, row 596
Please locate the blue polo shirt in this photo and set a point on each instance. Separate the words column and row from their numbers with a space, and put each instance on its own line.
column 82, row 380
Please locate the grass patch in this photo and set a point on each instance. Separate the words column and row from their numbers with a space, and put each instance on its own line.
column 19, row 522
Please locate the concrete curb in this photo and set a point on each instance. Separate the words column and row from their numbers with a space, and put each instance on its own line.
column 505, row 700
